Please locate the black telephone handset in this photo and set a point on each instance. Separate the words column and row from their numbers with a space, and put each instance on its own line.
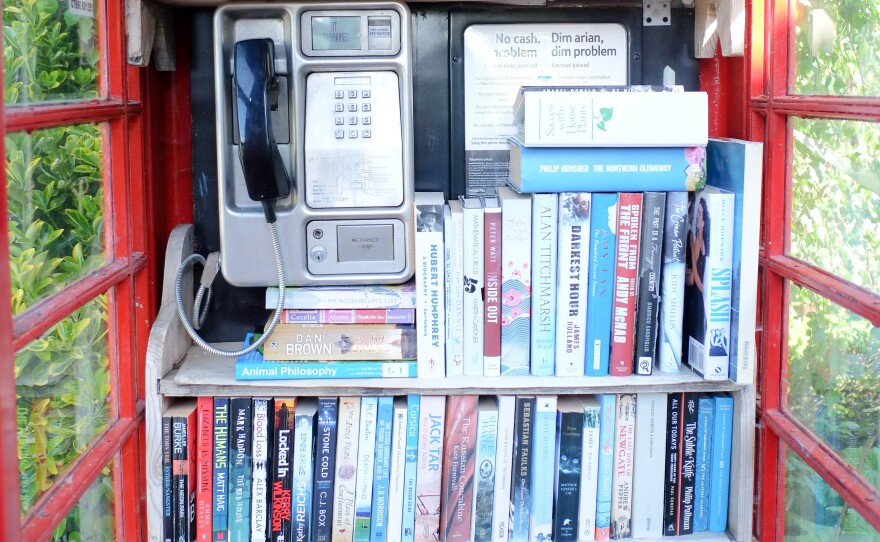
column 266, row 177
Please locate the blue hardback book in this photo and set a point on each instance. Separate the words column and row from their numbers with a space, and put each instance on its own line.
column 410, row 468
column 485, row 472
column 543, row 468
column 600, row 296
column 719, row 485
column 608, row 415
column 325, row 467
column 705, row 423
column 221, row 467
column 545, row 214
column 606, row 169
column 303, row 480
column 381, row 470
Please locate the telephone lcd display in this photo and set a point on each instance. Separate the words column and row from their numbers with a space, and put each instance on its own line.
column 336, row 33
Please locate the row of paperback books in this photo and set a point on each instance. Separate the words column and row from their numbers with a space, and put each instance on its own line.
column 457, row 468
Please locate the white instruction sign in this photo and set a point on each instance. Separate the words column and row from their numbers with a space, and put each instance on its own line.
column 499, row 58
column 83, row 8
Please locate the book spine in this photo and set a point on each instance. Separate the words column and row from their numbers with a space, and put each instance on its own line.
column 600, row 297
column 705, row 423
column 325, row 468
column 204, row 471
column 688, row 461
column 622, row 477
column 396, row 482
column 346, row 467
column 648, row 297
column 281, row 473
column 720, row 468
column 503, row 468
column 649, row 460
column 672, row 283
column 381, row 471
column 410, row 467
column 541, row 477
column 520, row 491
column 571, row 285
column 587, row 503
column 430, row 283
column 430, row 457
column 455, row 292
column 303, row 479
column 317, row 342
column 366, row 465
column 484, row 473
column 626, row 277
column 345, row 297
column 260, row 456
column 348, row 316
column 545, row 227
column 569, row 468
column 168, row 508
column 492, row 281
column 456, row 503
column 240, row 468
column 179, row 474
column 670, row 480
column 310, row 370
column 220, row 471
column 608, row 413
column 473, row 290
column 516, row 282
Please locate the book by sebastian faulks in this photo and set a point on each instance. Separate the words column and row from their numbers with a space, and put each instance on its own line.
column 325, row 468
column 622, row 477
column 543, row 469
column 650, row 266
column 390, row 296
column 626, row 282
column 649, row 462
column 605, row 169
column 572, row 285
column 602, row 117
column 705, row 424
column 432, row 416
column 503, row 467
column 492, row 286
column 688, row 461
column 366, row 465
column 516, row 280
column 459, row 448
column 204, row 471
column 348, row 316
column 719, row 471
column 382, row 470
column 396, row 473
column 569, row 465
column 545, row 226
column 485, row 469
column 430, row 281
column 348, row 427
column 669, row 341
column 281, row 481
column 240, row 468
column 262, row 407
column 600, row 296
column 520, row 486
column 303, row 469
column 473, row 277
column 410, row 467
column 454, row 243
column 221, row 469
column 708, row 280
column 336, row 342
column 673, row 467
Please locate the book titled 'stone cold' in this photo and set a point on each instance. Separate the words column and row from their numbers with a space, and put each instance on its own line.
column 485, row 469
column 366, row 464
column 221, row 468
column 545, row 216
column 543, row 469
column 516, row 280
column 382, row 470
column 569, row 464
column 399, row 296
column 281, row 474
column 473, row 273
column 650, row 266
column 260, row 455
column 303, row 474
column 626, row 279
column 325, row 468
column 460, row 435
column 572, row 284
column 669, row 341
column 605, row 169
column 430, row 282
column 432, row 416
column 600, row 296
column 649, row 460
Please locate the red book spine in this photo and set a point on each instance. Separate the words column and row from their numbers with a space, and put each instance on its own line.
column 204, row 469
column 625, row 283
column 492, row 300
column 458, row 468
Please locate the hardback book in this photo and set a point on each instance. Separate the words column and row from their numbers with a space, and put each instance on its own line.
column 325, row 468
column 382, row 469
column 410, row 467
column 281, row 474
column 586, row 528
column 571, row 284
column 348, row 316
column 453, row 228
column 430, row 280
column 608, row 417
column 459, row 454
column 600, row 293
column 650, row 267
column 569, row 467
column 520, row 486
column 705, row 424
column 183, row 423
column 562, row 118
column 545, row 227
column 260, row 495
column 484, row 469
column 708, row 279
column 394, row 517
column 491, row 286
column 168, row 508
column 543, row 469
column 472, row 283
column 516, row 280
column 671, row 316
column 649, row 462
column 349, row 342
column 719, row 471
column 605, row 169
column 393, row 296
column 429, row 487
column 503, row 467
column 241, row 428
column 204, row 469
column 626, row 283
column 736, row 166
column 347, row 439
column 673, row 467
column 220, row 469
column 622, row 477
column 688, row 460
column 303, row 474
column 366, row 463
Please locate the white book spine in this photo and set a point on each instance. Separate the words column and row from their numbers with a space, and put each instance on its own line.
column 516, row 281
column 432, row 416
column 430, row 284
column 649, row 463
column 473, row 288
column 589, row 470
column 572, row 285
column 545, row 226
column 398, row 460
column 260, row 496
column 346, row 468
column 622, row 473
column 455, row 292
column 503, row 466
column 366, row 463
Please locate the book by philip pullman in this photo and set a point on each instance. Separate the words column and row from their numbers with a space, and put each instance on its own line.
column 319, row 342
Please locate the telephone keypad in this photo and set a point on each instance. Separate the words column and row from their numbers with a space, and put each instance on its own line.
column 353, row 107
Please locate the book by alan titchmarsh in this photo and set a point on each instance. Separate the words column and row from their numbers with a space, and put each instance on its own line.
column 571, row 284
column 672, row 283
column 516, row 280
column 430, row 284
column 545, row 225
column 600, row 298
column 626, row 281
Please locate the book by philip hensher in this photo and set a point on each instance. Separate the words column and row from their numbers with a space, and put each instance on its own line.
column 600, row 293
column 325, row 468
column 670, row 480
column 520, row 486
column 410, row 467
column 705, row 424
column 719, row 471
column 432, row 416
column 459, row 454
column 454, row 244
column 605, row 169
column 204, row 471
column 543, row 469
column 608, row 413
column 649, row 460
column 669, row 341
column 396, row 473
column 326, row 342
column 648, row 296
column 260, row 479
column 348, row 316
column 516, row 280
column 503, row 467
column 545, row 226
column 366, row 464
column 392, row 296
column 622, row 477
column 220, row 468
column 626, row 279
column 485, row 469
column 348, row 426
column 303, row 473
column 571, row 283
column 472, row 254
column 586, row 528
column 491, row 286
column 569, row 465
column 381, row 470
column 240, row 468
column 281, row 474
column 430, row 282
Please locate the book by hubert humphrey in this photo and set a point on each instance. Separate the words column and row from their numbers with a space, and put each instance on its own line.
column 430, row 281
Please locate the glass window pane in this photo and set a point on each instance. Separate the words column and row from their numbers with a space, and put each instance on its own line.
column 63, row 388
column 55, row 193
column 814, row 512
column 50, row 51
column 833, row 378
column 835, row 198
column 837, row 49
column 92, row 518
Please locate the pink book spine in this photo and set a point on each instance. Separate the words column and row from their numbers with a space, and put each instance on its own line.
column 458, row 468
column 492, row 272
